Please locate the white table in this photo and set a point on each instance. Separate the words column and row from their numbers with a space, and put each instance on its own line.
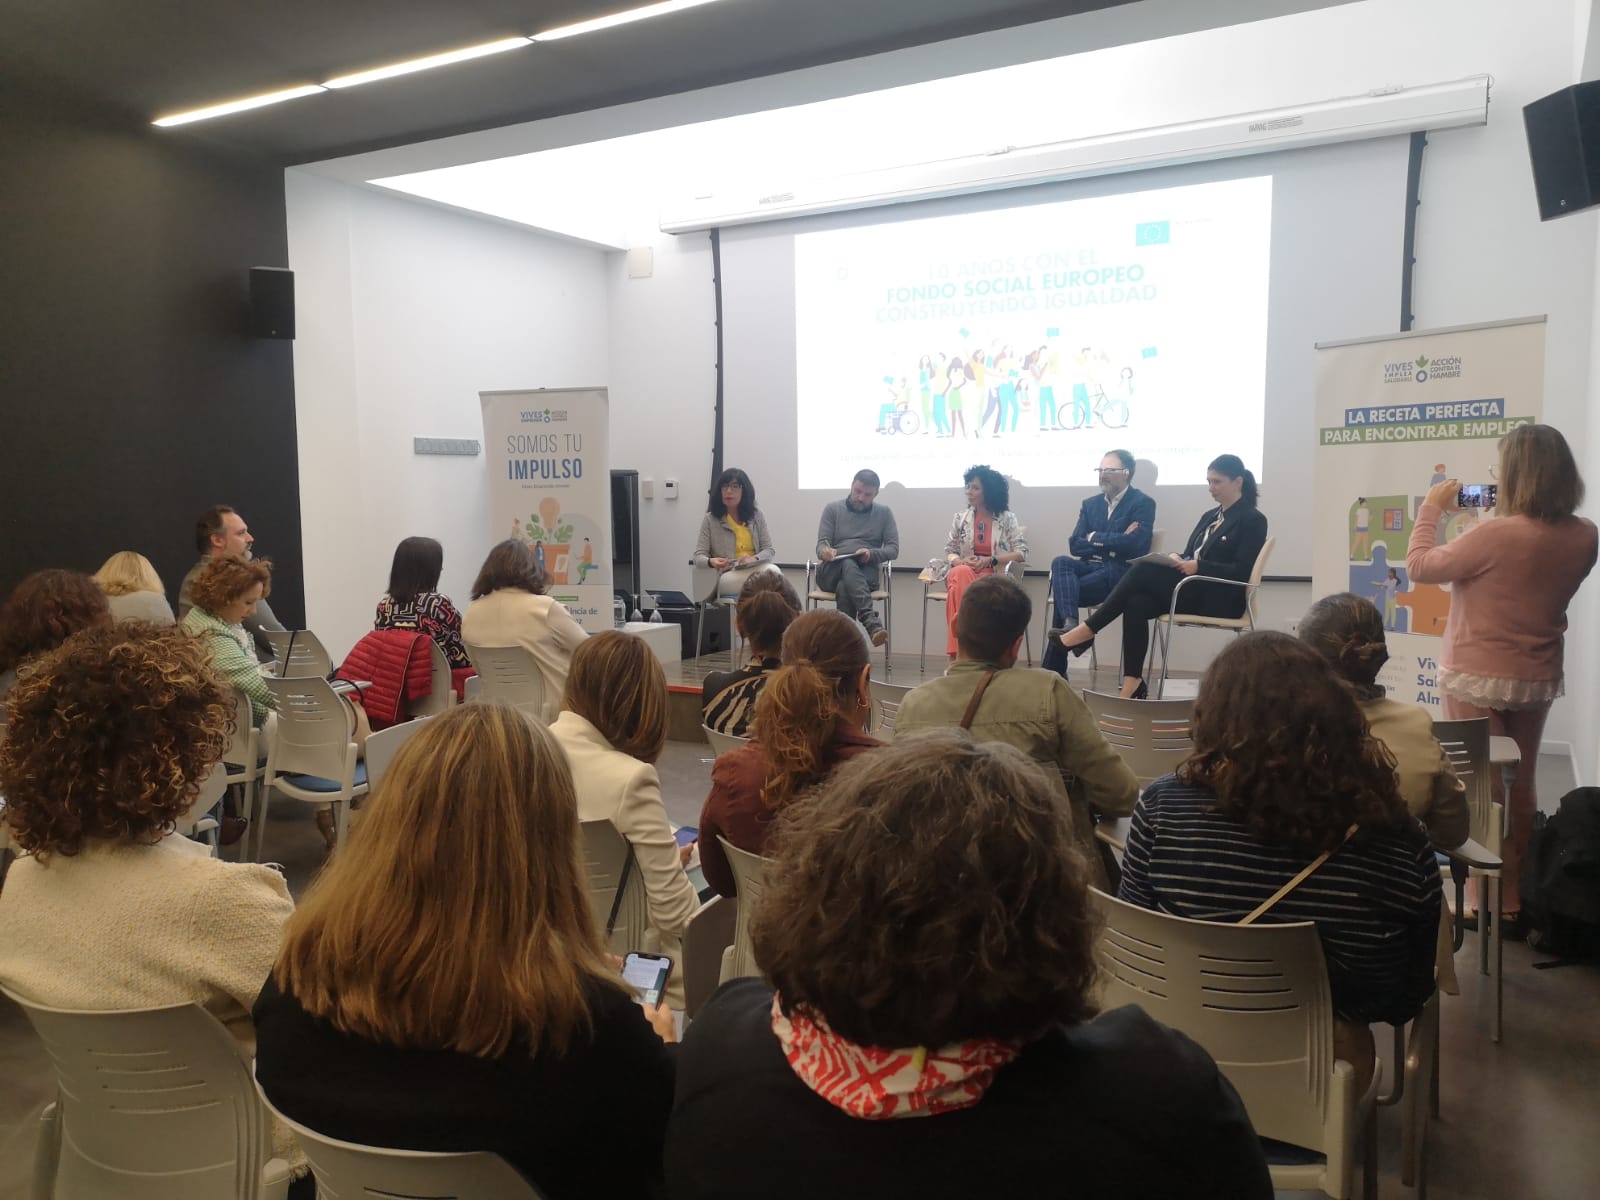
column 664, row 638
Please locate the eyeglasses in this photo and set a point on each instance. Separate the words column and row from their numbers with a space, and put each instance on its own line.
column 1111, row 470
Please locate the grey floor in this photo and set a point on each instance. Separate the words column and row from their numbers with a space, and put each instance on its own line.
column 1520, row 1120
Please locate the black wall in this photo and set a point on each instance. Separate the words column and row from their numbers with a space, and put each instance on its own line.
column 131, row 396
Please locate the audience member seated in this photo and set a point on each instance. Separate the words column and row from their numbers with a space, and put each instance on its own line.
column 43, row 611
column 442, row 986
column 133, row 589
column 1035, row 711
column 811, row 716
column 929, row 1027
column 224, row 593
column 221, row 532
column 767, row 604
column 110, row 739
column 984, row 536
column 509, row 608
column 613, row 726
column 414, row 601
column 1285, row 774
column 733, row 535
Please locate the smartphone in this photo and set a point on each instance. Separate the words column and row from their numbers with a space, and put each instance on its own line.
column 685, row 834
column 647, row 975
column 1478, row 495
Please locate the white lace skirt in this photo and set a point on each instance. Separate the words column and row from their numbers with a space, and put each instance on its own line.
column 1488, row 691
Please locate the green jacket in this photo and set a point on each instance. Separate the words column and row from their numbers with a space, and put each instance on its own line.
column 236, row 665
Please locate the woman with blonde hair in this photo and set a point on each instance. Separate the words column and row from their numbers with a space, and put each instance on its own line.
column 446, row 973
column 811, row 716
column 133, row 589
column 613, row 726
column 1511, row 580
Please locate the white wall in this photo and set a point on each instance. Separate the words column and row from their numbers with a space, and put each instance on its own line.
column 406, row 312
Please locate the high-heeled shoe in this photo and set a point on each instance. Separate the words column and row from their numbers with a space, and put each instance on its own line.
column 1142, row 692
column 1076, row 651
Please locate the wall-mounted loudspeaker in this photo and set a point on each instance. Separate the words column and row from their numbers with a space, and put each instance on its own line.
column 1564, row 146
column 271, row 302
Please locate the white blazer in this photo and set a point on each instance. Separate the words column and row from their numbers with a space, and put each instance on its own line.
column 513, row 617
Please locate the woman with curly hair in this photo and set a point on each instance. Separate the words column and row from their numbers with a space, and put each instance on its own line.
column 984, row 537
column 133, row 588
column 43, row 611
column 810, row 717
column 110, row 739
column 224, row 592
column 926, row 1025
column 1285, row 773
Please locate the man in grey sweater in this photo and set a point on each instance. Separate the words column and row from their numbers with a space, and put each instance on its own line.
column 220, row 530
column 855, row 536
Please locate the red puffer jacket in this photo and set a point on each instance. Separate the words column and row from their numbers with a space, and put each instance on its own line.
column 399, row 662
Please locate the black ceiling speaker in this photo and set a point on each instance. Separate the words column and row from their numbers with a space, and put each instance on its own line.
column 1564, row 146
column 271, row 302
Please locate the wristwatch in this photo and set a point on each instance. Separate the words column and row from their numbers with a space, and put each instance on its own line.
column 994, row 561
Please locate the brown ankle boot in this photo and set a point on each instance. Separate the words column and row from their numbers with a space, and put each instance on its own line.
column 326, row 826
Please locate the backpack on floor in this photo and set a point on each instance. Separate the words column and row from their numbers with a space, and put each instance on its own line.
column 1561, row 878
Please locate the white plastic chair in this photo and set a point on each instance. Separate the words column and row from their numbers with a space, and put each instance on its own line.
column 1158, row 540
column 382, row 746
column 245, row 763
column 509, row 674
column 195, row 821
column 721, row 743
column 705, row 941
column 1151, row 736
column 1172, row 618
column 348, row 1171
column 1466, row 745
column 472, row 689
column 297, row 652
column 883, row 594
column 937, row 593
column 750, row 879
column 886, row 701
column 153, row 1104
column 441, row 696
column 608, row 862
column 1256, row 997
column 313, row 756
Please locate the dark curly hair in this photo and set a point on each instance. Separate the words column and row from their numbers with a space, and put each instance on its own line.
column 44, row 610
column 931, row 892
column 510, row 564
column 1285, row 747
column 996, row 491
column 110, row 736
column 225, row 578
column 1347, row 630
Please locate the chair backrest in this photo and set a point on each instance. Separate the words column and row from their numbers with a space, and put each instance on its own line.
column 721, row 743
column 605, row 851
column 1257, row 571
column 441, row 694
column 297, row 652
column 472, row 689
column 154, row 1104
column 352, row 1172
column 381, row 747
column 314, row 733
column 245, row 748
column 709, row 934
column 1256, row 997
column 1152, row 736
column 510, row 674
column 886, row 701
column 211, row 791
column 750, row 879
column 1158, row 541
column 1466, row 745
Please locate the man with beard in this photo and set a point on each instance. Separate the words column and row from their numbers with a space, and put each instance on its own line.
column 219, row 531
column 855, row 536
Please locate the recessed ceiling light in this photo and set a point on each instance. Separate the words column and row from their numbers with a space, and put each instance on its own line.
column 431, row 61
column 622, row 18
column 236, row 106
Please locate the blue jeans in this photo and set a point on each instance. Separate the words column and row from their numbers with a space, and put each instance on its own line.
column 1075, row 581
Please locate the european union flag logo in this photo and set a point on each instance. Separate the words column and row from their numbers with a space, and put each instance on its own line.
column 1152, row 233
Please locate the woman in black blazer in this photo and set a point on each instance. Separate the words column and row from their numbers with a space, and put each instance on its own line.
column 1225, row 544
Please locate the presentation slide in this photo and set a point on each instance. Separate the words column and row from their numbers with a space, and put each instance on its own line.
column 1033, row 338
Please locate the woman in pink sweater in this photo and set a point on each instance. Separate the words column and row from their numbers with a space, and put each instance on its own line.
column 1511, row 580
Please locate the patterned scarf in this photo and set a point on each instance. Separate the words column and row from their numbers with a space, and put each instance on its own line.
column 875, row 1084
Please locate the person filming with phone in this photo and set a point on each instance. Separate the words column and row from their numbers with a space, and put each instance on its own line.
column 1511, row 580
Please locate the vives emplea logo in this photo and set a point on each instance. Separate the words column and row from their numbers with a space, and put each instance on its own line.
column 1422, row 368
column 542, row 416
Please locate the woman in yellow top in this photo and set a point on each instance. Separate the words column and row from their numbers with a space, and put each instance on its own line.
column 733, row 536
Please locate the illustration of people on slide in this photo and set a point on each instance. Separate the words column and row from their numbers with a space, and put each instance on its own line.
column 586, row 562
column 924, row 387
column 941, row 386
column 1388, row 587
column 1360, row 545
column 958, row 376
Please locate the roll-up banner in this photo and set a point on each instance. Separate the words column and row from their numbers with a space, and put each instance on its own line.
column 1395, row 415
column 550, row 487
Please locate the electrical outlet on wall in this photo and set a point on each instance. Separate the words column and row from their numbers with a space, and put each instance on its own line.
column 670, row 488
column 647, row 488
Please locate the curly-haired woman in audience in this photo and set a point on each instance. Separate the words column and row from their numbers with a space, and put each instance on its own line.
column 767, row 605
column 224, row 592
column 926, row 1025
column 984, row 537
column 43, row 611
column 613, row 726
column 442, row 986
column 509, row 608
column 415, row 602
column 110, row 739
column 811, row 716
column 133, row 589
column 1284, row 770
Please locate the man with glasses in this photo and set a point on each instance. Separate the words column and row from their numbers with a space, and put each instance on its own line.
column 1114, row 527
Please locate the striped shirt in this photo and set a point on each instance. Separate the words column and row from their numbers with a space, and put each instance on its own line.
column 728, row 698
column 1375, row 902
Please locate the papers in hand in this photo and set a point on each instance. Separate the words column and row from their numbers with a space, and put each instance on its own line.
column 1159, row 560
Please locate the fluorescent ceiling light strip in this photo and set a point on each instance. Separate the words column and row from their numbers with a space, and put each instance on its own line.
column 237, row 106
column 622, row 18
column 426, row 64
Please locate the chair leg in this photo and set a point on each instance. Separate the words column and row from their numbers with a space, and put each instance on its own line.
column 922, row 657
column 1166, row 647
column 1499, row 960
column 699, row 629
column 256, row 835
column 1369, row 1155
column 47, row 1153
column 888, row 625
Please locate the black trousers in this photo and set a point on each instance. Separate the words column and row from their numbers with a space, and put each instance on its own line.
column 1140, row 596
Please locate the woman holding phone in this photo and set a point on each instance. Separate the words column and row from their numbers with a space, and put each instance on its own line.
column 1511, row 580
